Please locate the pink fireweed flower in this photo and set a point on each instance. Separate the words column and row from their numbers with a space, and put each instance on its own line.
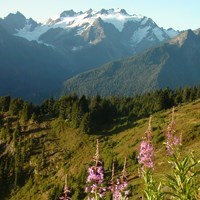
column 145, row 157
column 95, row 178
column 172, row 141
column 119, row 187
column 95, row 173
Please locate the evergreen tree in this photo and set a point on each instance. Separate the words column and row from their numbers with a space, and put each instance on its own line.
column 5, row 132
column 16, row 106
column 85, row 125
column 18, row 164
column 83, row 105
column 48, row 107
column 3, row 180
column 26, row 111
column 64, row 107
column 16, row 134
column 186, row 94
column 198, row 92
column 193, row 94
column 1, row 120
column 164, row 100
column 34, row 117
column 1, row 175
column 75, row 115
column 5, row 103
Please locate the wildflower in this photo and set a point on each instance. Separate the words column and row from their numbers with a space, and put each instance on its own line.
column 172, row 140
column 95, row 178
column 119, row 188
column 145, row 157
column 66, row 191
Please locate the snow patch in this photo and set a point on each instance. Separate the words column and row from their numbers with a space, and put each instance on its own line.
column 114, row 17
column 32, row 35
column 144, row 20
column 171, row 32
column 82, row 21
column 140, row 34
column 158, row 33
column 77, row 48
column 118, row 19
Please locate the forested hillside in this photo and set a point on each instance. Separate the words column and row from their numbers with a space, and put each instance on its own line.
column 29, row 70
column 173, row 64
column 40, row 144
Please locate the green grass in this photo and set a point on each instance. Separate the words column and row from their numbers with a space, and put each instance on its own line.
column 67, row 151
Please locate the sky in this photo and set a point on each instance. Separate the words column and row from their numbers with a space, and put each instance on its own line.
column 177, row 14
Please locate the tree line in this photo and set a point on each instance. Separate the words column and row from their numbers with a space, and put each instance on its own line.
column 91, row 114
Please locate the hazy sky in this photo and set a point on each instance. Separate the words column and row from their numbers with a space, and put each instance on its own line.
column 178, row 14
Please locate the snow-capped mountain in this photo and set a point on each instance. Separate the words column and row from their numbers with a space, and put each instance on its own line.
column 75, row 42
column 14, row 23
column 94, row 37
column 71, row 19
column 132, row 30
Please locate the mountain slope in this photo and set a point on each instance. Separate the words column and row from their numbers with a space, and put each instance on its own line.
column 14, row 22
column 95, row 37
column 29, row 70
column 133, row 28
column 173, row 64
column 54, row 150
column 36, row 57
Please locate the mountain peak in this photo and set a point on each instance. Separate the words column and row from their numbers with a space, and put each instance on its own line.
column 90, row 11
column 190, row 34
column 123, row 11
column 113, row 11
column 134, row 29
column 182, row 38
column 19, row 13
column 103, row 12
column 197, row 31
column 68, row 13
column 14, row 22
column 12, row 16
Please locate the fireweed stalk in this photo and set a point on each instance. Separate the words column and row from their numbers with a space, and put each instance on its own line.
column 95, row 178
column 183, row 183
column 119, row 187
column 145, row 158
column 66, row 191
column 173, row 142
